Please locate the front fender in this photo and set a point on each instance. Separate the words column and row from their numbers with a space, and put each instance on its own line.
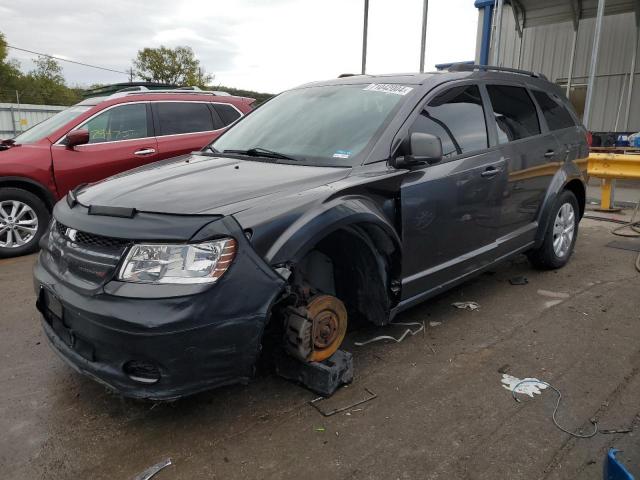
column 568, row 172
column 301, row 236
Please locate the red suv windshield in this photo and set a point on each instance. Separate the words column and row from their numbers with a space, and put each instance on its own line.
column 51, row 124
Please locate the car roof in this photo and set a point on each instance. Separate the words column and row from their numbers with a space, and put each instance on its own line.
column 431, row 79
column 158, row 96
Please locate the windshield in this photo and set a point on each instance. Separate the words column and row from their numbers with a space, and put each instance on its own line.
column 50, row 125
column 324, row 126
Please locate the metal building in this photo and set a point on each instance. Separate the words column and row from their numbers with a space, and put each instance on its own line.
column 589, row 47
column 16, row 118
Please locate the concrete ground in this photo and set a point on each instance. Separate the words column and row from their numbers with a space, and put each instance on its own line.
column 441, row 411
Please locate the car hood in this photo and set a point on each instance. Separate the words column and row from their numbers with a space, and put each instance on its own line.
column 198, row 184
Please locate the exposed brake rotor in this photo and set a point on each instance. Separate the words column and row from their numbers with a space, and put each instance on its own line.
column 328, row 316
column 315, row 332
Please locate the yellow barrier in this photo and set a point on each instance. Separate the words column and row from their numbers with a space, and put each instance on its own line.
column 608, row 167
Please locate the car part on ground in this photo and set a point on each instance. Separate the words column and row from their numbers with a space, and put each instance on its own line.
column 335, row 215
column 315, row 403
column 323, row 377
column 152, row 470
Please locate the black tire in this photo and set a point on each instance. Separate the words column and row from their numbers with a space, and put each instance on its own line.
column 41, row 214
column 546, row 257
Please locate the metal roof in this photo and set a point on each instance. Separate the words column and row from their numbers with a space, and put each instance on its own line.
column 545, row 12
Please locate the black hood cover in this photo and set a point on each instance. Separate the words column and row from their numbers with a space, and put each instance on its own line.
column 198, row 184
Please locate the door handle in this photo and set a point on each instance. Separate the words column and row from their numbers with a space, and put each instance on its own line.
column 549, row 154
column 145, row 151
column 490, row 172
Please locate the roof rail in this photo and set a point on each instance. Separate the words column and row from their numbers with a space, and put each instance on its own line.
column 465, row 67
column 181, row 90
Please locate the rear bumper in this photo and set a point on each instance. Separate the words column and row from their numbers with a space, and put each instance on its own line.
column 193, row 341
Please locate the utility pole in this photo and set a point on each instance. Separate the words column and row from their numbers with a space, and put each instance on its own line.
column 423, row 45
column 130, row 74
column 19, row 111
column 364, row 36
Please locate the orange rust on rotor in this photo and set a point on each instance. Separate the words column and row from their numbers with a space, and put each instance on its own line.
column 329, row 318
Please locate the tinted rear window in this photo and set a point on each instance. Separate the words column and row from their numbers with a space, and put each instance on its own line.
column 183, row 117
column 457, row 118
column 227, row 113
column 514, row 112
column 554, row 112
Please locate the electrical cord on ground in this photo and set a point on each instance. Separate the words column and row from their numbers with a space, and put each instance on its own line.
column 633, row 225
column 555, row 410
column 408, row 331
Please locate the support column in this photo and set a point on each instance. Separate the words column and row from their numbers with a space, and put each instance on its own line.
column 496, row 51
column 485, row 42
column 572, row 61
column 586, row 120
column 423, row 45
column 632, row 74
column 364, row 36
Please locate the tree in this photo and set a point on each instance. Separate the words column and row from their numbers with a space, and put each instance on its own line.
column 9, row 74
column 47, row 69
column 45, row 84
column 177, row 66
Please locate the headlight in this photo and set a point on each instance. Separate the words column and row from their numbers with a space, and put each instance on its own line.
column 183, row 264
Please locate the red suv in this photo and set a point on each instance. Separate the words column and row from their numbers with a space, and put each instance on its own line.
column 95, row 139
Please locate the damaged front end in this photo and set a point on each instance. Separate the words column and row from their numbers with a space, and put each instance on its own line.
column 141, row 335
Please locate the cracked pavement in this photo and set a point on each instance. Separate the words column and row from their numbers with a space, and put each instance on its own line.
column 441, row 411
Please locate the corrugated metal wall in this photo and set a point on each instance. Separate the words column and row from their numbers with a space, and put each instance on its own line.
column 15, row 118
column 547, row 49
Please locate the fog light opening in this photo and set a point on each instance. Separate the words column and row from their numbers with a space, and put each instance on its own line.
column 142, row 371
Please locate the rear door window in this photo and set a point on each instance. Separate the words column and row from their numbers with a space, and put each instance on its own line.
column 227, row 113
column 554, row 112
column 183, row 117
column 457, row 118
column 124, row 122
column 514, row 112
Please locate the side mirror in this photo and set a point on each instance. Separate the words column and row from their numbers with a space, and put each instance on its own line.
column 77, row 137
column 420, row 148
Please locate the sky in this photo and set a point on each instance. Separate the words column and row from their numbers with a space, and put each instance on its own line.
column 262, row 45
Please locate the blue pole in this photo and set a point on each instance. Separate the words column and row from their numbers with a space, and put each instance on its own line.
column 487, row 6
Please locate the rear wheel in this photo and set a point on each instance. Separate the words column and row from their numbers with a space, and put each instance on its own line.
column 560, row 235
column 23, row 220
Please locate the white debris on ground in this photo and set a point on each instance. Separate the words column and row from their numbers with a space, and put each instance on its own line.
column 466, row 305
column 532, row 385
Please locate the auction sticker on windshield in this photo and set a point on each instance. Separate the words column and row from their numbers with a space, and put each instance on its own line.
column 388, row 88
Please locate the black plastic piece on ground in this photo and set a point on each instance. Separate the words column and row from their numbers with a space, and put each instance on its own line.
column 323, row 378
column 519, row 280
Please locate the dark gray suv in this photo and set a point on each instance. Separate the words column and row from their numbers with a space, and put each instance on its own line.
column 351, row 198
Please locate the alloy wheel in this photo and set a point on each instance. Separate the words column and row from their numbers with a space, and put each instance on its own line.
column 563, row 230
column 18, row 224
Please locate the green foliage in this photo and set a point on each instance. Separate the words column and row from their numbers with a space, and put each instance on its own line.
column 9, row 73
column 177, row 66
column 260, row 97
column 43, row 85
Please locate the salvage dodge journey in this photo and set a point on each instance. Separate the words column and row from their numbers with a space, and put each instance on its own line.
column 354, row 198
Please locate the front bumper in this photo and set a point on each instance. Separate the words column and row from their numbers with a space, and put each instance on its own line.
column 195, row 341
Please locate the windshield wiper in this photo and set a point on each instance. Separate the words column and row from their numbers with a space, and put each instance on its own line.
column 262, row 152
